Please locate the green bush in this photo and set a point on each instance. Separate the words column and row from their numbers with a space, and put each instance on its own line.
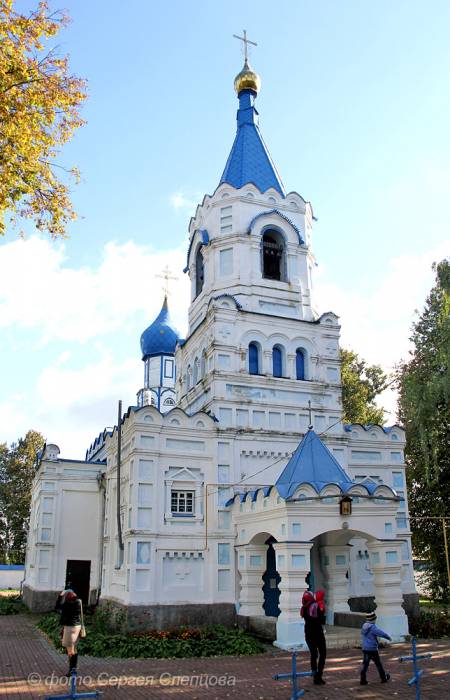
column 11, row 605
column 432, row 624
column 174, row 643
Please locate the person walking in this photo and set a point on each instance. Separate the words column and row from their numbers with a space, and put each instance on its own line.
column 313, row 613
column 70, row 607
column 369, row 643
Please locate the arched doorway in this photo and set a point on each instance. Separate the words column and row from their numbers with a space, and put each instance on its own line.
column 271, row 579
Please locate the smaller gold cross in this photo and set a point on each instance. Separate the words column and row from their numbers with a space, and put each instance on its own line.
column 246, row 41
column 167, row 275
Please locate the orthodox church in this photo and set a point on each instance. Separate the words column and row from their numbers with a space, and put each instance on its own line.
column 233, row 484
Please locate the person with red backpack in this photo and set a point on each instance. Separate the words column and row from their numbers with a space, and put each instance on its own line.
column 313, row 612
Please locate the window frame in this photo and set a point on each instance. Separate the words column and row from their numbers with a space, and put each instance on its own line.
column 185, row 493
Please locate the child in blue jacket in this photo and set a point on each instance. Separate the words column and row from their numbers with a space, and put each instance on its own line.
column 369, row 642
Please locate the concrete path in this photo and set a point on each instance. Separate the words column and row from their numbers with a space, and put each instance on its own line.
column 31, row 668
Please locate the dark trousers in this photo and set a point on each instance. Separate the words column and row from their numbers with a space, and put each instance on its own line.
column 374, row 656
column 318, row 650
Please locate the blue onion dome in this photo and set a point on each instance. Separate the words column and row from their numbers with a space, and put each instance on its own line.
column 160, row 337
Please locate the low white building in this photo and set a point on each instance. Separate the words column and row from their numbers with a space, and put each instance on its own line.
column 238, row 482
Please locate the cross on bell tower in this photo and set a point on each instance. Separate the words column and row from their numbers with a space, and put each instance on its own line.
column 246, row 42
column 167, row 275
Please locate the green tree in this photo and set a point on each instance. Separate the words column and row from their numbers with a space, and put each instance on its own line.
column 424, row 397
column 361, row 384
column 17, row 469
column 39, row 111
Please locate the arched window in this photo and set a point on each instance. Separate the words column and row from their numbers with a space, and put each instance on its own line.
column 169, row 402
column 253, row 358
column 300, row 363
column 273, row 255
column 277, row 361
column 199, row 272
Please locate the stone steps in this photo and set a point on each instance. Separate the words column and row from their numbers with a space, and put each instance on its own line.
column 338, row 637
column 342, row 637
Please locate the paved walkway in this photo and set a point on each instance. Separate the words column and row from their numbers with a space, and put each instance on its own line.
column 27, row 662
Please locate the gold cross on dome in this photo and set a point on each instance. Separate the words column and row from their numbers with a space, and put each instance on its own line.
column 246, row 41
column 167, row 275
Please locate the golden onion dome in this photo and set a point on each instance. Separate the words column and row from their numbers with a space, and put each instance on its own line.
column 247, row 79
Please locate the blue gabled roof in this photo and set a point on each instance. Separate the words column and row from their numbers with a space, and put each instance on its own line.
column 249, row 160
column 160, row 337
column 312, row 463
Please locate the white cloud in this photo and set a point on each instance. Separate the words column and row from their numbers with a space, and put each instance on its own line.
column 39, row 289
column 179, row 201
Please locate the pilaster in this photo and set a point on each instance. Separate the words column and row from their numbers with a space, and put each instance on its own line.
column 252, row 563
column 293, row 565
column 335, row 565
column 386, row 564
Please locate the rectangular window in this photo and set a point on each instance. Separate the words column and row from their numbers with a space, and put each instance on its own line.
column 391, row 557
column 168, row 369
column 45, row 534
column 401, row 521
column 144, row 518
column 223, row 473
column 259, row 419
column 143, row 553
column 241, row 417
column 225, row 417
column 366, row 456
column 223, row 553
column 182, row 502
column 224, row 519
column 226, row 261
column 396, row 456
column 290, row 421
column 388, row 528
column 224, row 361
column 397, row 479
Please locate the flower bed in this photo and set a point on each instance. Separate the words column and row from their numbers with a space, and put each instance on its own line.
column 175, row 643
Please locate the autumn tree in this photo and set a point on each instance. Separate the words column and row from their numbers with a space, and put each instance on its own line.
column 424, row 403
column 361, row 384
column 39, row 111
column 17, row 469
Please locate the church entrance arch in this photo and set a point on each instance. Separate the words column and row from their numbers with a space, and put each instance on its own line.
column 271, row 579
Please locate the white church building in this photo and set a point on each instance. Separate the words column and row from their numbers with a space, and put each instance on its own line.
column 233, row 484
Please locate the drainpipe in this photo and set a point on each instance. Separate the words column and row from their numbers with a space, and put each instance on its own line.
column 119, row 457
column 102, row 488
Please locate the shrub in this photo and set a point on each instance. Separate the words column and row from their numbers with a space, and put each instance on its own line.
column 11, row 605
column 173, row 643
column 431, row 624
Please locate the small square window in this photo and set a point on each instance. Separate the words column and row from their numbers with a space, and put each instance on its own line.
column 182, row 502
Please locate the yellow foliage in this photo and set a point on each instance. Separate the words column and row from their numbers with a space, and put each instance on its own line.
column 39, row 111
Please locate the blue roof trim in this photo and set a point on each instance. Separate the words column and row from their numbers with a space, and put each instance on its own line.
column 283, row 216
column 204, row 235
column 160, row 338
column 249, row 160
column 385, row 428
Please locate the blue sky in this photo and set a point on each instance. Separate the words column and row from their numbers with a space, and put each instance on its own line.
column 354, row 108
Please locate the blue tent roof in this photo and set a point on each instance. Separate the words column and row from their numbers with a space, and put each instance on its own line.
column 160, row 337
column 249, row 160
column 312, row 463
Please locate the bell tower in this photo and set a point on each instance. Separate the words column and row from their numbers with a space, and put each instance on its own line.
column 255, row 339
